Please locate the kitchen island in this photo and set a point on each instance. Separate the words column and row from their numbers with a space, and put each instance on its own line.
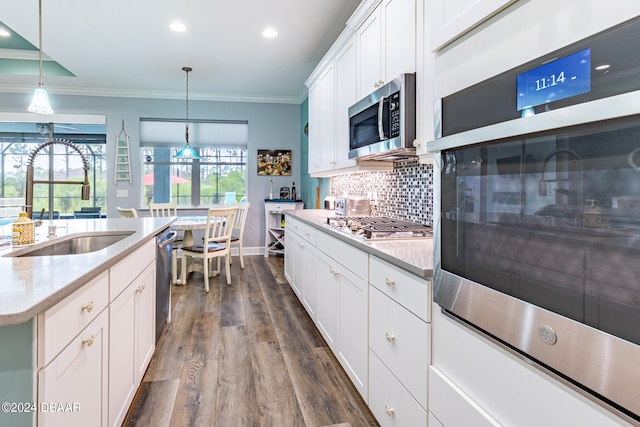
column 76, row 331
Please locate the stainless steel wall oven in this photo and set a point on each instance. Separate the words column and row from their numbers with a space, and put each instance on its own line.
column 538, row 228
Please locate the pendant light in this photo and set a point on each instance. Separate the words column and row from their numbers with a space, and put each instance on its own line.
column 40, row 101
column 187, row 151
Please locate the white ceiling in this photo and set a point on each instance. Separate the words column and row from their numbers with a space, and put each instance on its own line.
column 125, row 47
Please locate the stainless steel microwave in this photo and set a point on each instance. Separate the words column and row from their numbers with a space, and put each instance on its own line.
column 382, row 126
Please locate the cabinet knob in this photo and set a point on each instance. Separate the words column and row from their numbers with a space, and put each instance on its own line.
column 141, row 288
column 389, row 337
column 416, row 143
column 88, row 342
column 389, row 282
column 388, row 410
column 88, row 307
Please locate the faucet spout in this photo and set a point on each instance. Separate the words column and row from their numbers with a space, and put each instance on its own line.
column 86, row 189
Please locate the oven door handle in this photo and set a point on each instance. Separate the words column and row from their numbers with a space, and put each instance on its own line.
column 380, row 116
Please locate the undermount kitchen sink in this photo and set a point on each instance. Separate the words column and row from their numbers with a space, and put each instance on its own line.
column 73, row 244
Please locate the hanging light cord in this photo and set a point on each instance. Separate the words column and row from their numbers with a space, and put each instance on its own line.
column 40, row 40
column 186, row 132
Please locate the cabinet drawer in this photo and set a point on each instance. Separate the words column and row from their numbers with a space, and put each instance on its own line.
column 65, row 320
column 129, row 268
column 279, row 207
column 410, row 291
column 614, row 268
column 390, row 402
column 401, row 340
column 305, row 231
column 354, row 259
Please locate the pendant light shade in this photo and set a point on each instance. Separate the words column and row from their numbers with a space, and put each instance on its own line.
column 187, row 152
column 40, row 101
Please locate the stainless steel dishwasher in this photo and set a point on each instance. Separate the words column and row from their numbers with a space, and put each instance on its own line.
column 164, row 250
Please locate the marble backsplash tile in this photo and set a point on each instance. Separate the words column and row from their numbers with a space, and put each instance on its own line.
column 405, row 193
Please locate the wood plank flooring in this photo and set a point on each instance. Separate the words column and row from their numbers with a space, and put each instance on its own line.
column 244, row 355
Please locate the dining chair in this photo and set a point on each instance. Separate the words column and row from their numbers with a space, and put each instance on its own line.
column 217, row 242
column 237, row 233
column 167, row 210
column 127, row 212
column 163, row 209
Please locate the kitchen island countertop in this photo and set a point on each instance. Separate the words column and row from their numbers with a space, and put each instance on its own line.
column 31, row 285
column 412, row 255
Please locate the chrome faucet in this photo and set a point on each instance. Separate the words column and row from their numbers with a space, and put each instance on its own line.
column 86, row 189
column 542, row 184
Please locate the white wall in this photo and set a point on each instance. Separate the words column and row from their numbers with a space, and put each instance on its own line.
column 271, row 126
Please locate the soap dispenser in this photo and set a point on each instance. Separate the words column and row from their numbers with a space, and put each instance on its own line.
column 23, row 230
column 293, row 191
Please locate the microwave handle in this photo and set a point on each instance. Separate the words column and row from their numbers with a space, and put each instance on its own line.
column 380, row 116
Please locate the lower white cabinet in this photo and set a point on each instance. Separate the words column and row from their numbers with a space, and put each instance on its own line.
column 131, row 342
column 73, row 388
column 326, row 299
column 300, row 262
column 389, row 400
column 342, row 305
column 95, row 345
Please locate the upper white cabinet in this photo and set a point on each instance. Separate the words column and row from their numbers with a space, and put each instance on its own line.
column 386, row 44
column 451, row 19
column 331, row 94
column 346, row 96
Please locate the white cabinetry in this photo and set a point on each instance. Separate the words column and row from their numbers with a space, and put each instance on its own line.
column 300, row 265
column 331, row 94
column 386, row 44
column 274, row 237
column 341, row 305
column 132, row 327
column 399, row 343
column 73, row 354
column 450, row 20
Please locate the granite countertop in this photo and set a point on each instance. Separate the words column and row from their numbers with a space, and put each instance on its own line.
column 412, row 255
column 31, row 285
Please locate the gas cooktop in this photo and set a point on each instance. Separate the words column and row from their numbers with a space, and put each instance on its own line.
column 379, row 228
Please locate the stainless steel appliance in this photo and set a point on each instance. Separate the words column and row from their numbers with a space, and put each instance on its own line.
column 352, row 206
column 382, row 126
column 164, row 249
column 533, row 247
column 379, row 228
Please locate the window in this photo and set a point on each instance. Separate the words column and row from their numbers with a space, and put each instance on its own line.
column 55, row 162
column 219, row 176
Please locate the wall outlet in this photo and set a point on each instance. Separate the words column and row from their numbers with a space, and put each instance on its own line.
column 122, row 193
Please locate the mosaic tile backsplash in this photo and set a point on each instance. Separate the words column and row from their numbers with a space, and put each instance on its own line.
column 405, row 193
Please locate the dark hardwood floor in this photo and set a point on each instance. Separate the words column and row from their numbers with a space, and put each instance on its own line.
column 244, row 355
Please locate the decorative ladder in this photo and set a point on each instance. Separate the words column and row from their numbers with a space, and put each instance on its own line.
column 123, row 165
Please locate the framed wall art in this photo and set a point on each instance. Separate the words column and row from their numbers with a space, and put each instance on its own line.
column 274, row 162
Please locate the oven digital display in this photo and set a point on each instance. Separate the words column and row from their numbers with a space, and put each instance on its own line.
column 559, row 79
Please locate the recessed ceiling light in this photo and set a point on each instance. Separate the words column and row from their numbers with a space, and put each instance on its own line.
column 270, row 33
column 178, row 27
column 602, row 67
column 4, row 33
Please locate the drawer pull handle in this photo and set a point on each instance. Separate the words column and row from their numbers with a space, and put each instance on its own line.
column 88, row 341
column 88, row 307
column 389, row 282
column 389, row 337
column 389, row 410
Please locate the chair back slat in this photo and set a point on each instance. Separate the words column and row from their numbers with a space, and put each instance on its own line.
column 163, row 209
column 219, row 225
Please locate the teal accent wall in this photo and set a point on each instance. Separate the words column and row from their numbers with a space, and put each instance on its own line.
column 16, row 372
